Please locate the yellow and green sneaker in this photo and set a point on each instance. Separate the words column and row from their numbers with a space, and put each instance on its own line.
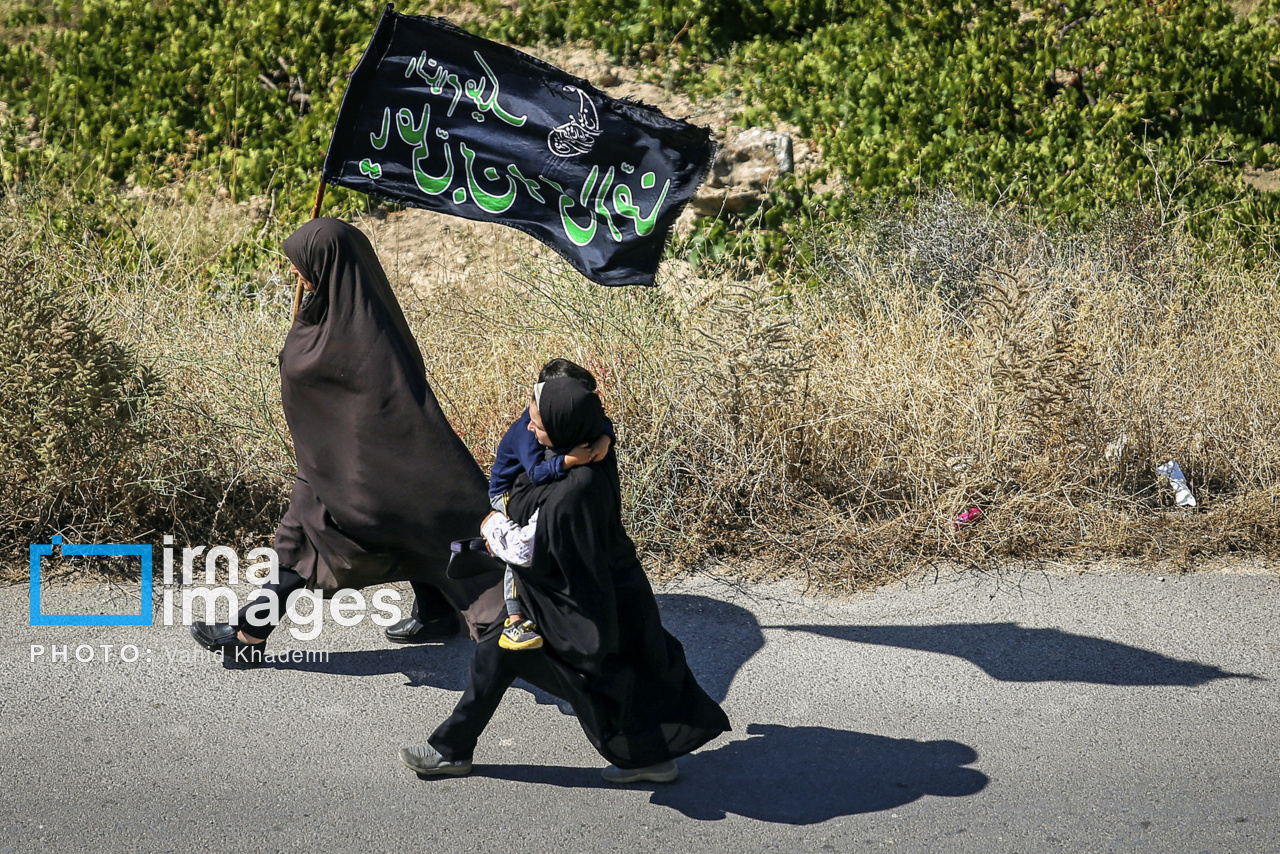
column 520, row 634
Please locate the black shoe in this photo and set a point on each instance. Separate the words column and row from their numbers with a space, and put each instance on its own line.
column 428, row 762
column 414, row 630
column 221, row 638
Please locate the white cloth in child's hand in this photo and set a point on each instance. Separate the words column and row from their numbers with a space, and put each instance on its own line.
column 508, row 541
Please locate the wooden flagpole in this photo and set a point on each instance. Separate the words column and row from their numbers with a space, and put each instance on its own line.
column 315, row 212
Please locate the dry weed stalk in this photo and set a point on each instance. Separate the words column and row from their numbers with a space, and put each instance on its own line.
column 745, row 354
column 831, row 429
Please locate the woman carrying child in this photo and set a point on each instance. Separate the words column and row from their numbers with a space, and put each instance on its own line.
column 605, row 649
column 521, row 452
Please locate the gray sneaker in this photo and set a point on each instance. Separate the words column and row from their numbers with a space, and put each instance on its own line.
column 427, row 760
column 663, row 772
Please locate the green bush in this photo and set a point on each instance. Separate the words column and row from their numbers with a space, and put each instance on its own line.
column 700, row 28
column 1071, row 107
column 1058, row 101
column 154, row 90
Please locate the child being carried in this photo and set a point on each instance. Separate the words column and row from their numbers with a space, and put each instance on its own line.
column 526, row 448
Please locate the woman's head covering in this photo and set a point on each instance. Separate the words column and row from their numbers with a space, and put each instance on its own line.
column 388, row 473
column 351, row 289
column 570, row 413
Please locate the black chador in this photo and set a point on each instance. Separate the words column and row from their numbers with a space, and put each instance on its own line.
column 605, row 649
column 384, row 484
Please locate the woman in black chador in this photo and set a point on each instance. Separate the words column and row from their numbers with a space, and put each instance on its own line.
column 384, row 484
column 605, row 650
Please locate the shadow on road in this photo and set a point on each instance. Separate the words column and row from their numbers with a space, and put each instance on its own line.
column 1011, row 653
column 718, row 637
column 733, row 637
column 792, row 775
column 442, row 665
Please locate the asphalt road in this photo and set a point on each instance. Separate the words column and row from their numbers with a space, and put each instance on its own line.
column 1011, row 713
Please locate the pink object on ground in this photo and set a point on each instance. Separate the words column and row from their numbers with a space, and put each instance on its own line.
column 968, row 517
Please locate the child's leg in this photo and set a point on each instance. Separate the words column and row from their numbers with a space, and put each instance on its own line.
column 509, row 591
column 519, row 632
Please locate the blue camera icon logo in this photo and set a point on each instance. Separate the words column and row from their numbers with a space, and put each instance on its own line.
column 39, row 618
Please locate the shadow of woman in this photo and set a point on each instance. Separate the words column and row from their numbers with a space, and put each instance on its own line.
column 1010, row 653
column 812, row 774
column 718, row 638
column 793, row 775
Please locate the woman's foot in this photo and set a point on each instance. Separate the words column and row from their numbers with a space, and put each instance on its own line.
column 428, row 761
column 663, row 772
column 224, row 639
column 413, row 630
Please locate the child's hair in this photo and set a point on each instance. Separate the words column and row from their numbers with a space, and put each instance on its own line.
column 565, row 368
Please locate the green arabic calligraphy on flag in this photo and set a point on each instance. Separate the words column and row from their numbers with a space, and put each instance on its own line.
column 437, row 118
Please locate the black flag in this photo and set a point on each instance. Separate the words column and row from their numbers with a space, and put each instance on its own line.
column 437, row 118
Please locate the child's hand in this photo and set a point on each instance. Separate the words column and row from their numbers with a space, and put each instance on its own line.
column 491, row 514
column 588, row 452
column 600, row 447
column 579, row 456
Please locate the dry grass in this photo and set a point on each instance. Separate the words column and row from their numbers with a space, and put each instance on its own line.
column 947, row 359
column 197, row 447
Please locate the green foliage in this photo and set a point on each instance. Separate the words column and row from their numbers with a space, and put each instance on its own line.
column 1074, row 107
column 1070, row 107
column 926, row 93
column 763, row 240
column 699, row 28
column 156, row 89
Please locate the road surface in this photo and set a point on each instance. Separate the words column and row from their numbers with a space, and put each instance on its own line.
column 1019, row 712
